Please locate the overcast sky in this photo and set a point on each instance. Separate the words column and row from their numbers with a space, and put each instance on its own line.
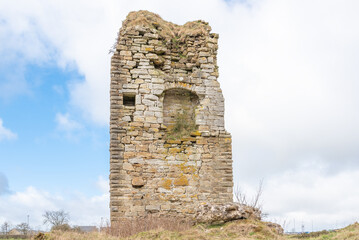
column 289, row 71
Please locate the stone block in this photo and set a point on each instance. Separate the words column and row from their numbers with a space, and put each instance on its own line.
column 127, row 167
column 125, row 53
column 137, row 182
column 165, row 207
column 181, row 181
column 153, row 208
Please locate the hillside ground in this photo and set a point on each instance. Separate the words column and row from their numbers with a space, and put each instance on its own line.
column 241, row 229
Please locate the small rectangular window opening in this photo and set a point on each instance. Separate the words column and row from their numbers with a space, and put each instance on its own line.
column 129, row 100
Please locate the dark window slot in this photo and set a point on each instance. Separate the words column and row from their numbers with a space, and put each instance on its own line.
column 129, row 100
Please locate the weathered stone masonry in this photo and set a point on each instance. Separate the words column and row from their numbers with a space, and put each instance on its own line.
column 169, row 148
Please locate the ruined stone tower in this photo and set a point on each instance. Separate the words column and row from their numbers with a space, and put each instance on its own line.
column 169, row 148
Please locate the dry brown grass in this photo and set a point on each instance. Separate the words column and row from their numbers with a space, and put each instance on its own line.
column 350, row 232
column 167, row 30
column 126, row 227
column 241, row 229
column 58, row 235
column 172, row 229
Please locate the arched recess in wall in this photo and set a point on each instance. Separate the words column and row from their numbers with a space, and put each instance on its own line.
column 179, row 111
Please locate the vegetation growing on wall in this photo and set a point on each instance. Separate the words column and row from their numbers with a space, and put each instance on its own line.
column 179, row 113
column 183, row 125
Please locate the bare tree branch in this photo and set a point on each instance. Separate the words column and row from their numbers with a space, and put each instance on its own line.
column 24, row 228
column 5, row 228
column 255, row 201
column 56, row 218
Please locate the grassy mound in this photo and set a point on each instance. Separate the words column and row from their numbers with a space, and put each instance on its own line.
column 350, row 232
column 241, row 229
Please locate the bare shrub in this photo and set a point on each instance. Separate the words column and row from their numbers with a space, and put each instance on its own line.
column 128, row 227
column 56, row 218
column 254, row 201
column 5, row 228
column 23, row 228
column 40, row 236
column 63, row 227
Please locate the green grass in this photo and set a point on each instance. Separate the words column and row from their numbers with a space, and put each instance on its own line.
column 216, row 226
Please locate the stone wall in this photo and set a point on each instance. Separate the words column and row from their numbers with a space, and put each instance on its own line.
column 169, row 148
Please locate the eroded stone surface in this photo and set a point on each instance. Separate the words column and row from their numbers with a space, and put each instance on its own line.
column 169, row 150
column 276, row 227
column 137, row 182
column 222, row 213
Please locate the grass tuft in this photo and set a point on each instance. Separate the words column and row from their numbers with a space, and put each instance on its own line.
column 166, row 30
column 165, row 228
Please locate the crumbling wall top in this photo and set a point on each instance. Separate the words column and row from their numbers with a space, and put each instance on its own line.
column 165, row 29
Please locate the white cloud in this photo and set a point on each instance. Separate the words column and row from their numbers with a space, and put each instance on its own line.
column 103, row 185
column 288, row 70
column 83, row 210
column 294, row 84
column 6, row 133
column 22, row 42
column 16, row 206
column 310, row 196
column 65, row 123
column 13, row 82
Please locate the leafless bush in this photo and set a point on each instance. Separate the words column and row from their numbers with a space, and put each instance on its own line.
column 254, row 201
column 23, row 228
column 128, row 227
column 5, row 228
column 56, row 218
column 63, row 227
